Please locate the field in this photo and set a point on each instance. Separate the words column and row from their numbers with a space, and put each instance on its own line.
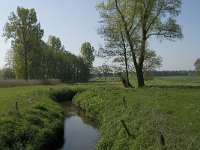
column 163, row 115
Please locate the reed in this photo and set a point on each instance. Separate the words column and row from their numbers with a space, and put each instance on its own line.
column 13, row 83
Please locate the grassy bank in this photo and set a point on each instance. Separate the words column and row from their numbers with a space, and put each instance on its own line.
column 164, row 115
column 29, row 118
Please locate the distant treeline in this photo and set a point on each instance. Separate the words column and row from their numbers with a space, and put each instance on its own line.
column 173, row 73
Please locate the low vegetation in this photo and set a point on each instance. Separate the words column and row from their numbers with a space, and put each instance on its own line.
column 162, row 115
column 29, row 119
column 64, row 94
column 13, row 83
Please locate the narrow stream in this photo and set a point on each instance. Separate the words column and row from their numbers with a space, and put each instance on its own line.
column 80, row 133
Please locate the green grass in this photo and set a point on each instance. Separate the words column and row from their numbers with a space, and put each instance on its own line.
column 37, row 122
column 179, row 80
column 9, row 96
column 167, row 108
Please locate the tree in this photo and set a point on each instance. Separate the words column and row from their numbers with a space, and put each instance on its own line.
column 197, row 66
column 7, row 73
column 138, row 21
column 26, row 34
column 87, row 53
column 9, row 58
column 61, row 64
column 151, row 62
column 115, row 46
column 55, row 43
column 105, row 70
column 82, row 70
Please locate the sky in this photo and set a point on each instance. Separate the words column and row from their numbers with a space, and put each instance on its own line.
column 76, row 21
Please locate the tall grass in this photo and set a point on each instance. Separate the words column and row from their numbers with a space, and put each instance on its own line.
column 13, row 83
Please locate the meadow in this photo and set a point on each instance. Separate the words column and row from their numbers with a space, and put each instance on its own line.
column 163, row 115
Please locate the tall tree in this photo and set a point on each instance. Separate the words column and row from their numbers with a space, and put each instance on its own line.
column 140, row 20
column 25, row 32
column 61, row 64
column 87, row 53
column 57, row 57
column 197, row 66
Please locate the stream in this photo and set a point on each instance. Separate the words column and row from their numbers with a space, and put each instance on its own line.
column 80, row 133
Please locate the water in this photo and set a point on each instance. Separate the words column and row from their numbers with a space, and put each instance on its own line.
column 79, row 132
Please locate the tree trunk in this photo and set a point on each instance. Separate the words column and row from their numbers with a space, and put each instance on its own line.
column 139, row 68
column 26, row 66
column 140, row 77
column 128, row 84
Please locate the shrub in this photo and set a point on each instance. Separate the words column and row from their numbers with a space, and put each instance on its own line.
column 60, row 95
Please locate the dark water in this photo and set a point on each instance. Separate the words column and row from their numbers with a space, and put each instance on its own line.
column 79, row 132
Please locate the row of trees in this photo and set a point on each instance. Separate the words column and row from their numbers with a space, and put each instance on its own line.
column 127, row 26
column 32, row 58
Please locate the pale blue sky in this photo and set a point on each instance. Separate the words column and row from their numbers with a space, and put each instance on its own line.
column 76, row 21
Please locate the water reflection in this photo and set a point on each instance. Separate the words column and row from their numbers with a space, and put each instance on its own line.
column 79, row 132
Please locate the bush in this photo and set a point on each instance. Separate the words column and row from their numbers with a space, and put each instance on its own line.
column 60, row 95
column 7, row 73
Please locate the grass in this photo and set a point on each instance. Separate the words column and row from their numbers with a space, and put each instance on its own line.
column 9, row 96
column 163, row 115
column 184, row 81
column 36, row 123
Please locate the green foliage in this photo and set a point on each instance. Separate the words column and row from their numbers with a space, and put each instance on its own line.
column 63, row 94
column 32, row 58
column 7, row 73
column 136, row 23
column 197, row 66
column 57, row 63
column 54, row 43
column 151, row 61
column 26, row 34
column 87, row 53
